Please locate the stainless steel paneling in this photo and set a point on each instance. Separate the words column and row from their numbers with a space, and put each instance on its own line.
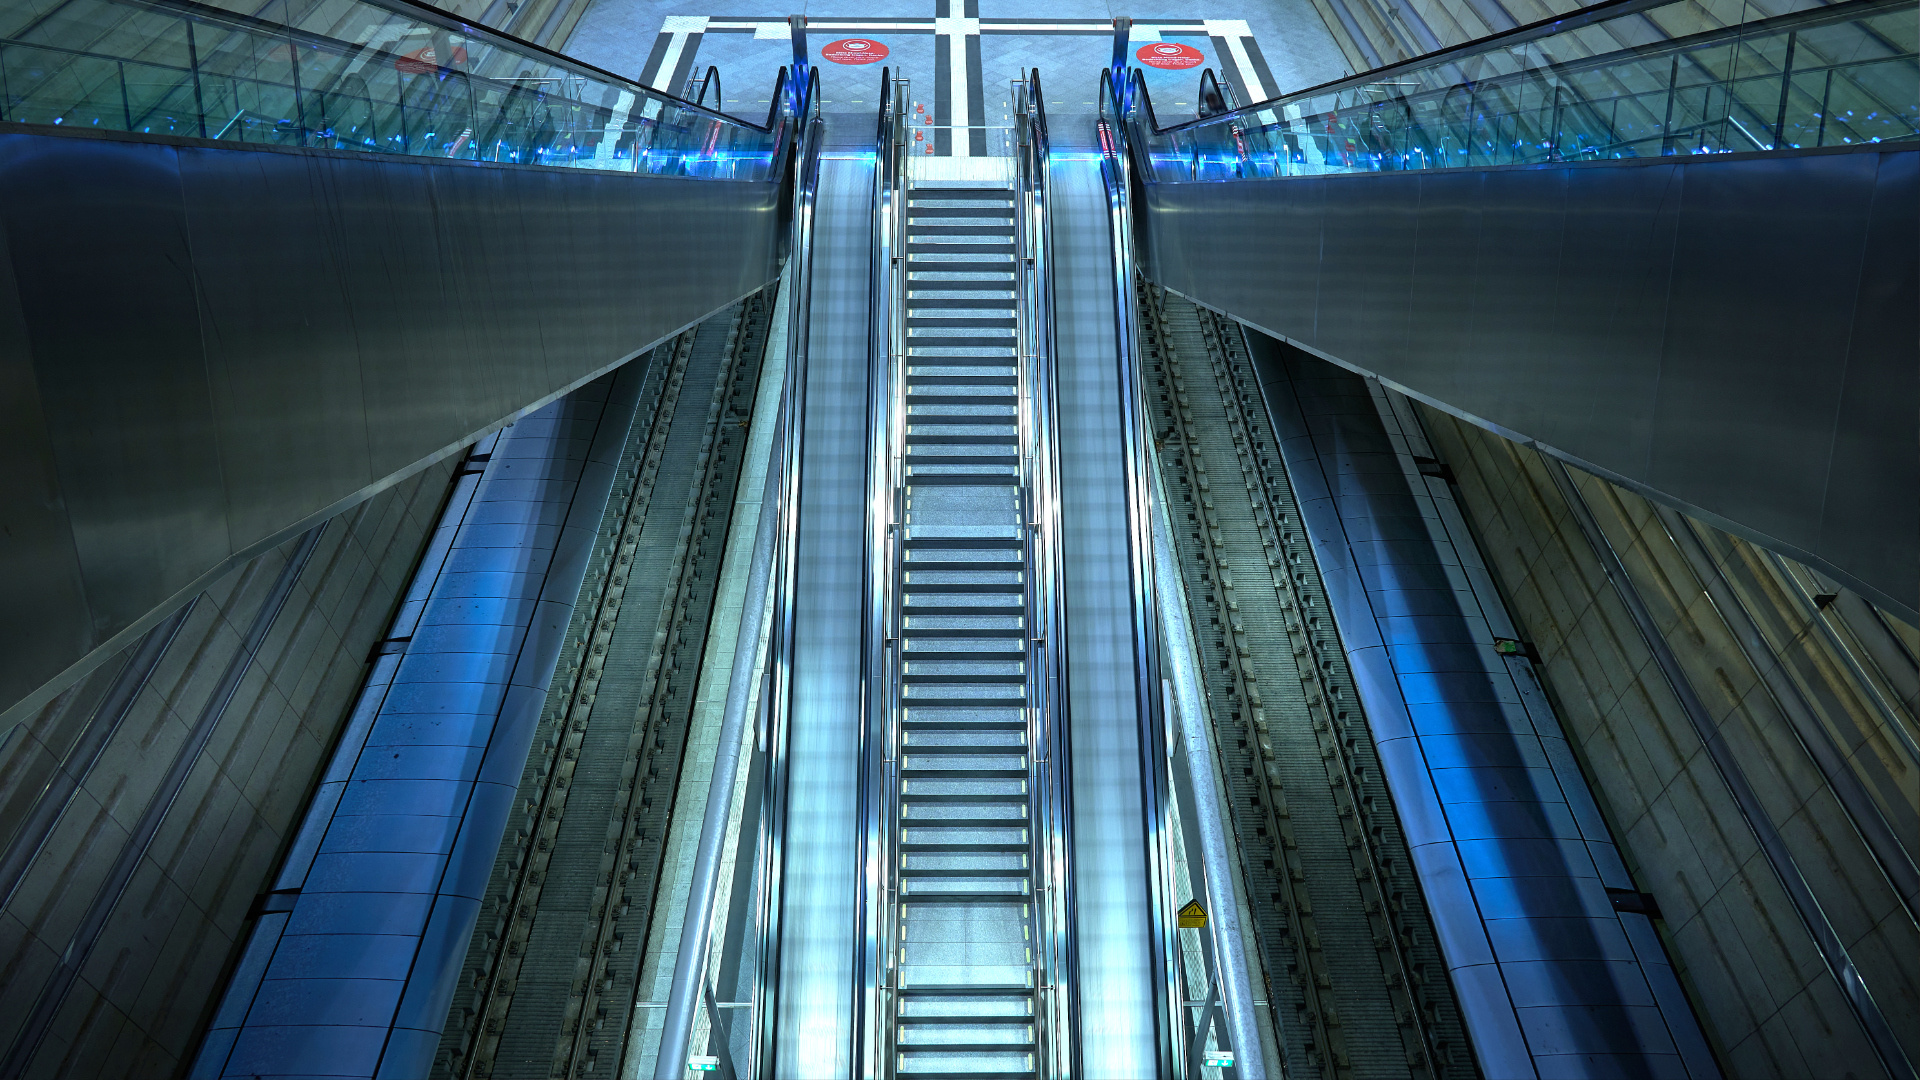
column 114, row 338
column 1113, row 922
column 227, row 344
column 31, row 515
column 819, row 884
column 1733, row 336
column 1511, row 850
column 1756, row 352
column 1883, row 382
column 405, row 850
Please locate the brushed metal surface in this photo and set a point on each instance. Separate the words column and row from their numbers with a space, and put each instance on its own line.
column 1733, row 336
column 1117, row 993
column 385, row 883
column 814, row 1007
column 1512, row 852
column 207, row 349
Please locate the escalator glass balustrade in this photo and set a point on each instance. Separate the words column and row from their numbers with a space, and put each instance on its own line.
column 358, row 76
column 1620, row 80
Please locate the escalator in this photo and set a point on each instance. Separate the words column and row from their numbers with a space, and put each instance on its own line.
column 1593, row 217
column 345, row 240
column 1555, row 234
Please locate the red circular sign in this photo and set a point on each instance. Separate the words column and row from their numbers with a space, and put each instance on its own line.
column 1167, row 54
column 854, row 50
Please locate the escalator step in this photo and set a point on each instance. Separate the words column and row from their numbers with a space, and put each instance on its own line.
column 943, row 303
column 997, row 269
column 988, row 210
column 915, row 231
column 1003, row 195
column 963, row 440
column 930, row 248
column 959, row 322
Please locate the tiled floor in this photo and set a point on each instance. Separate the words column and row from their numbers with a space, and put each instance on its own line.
column 1262, row 46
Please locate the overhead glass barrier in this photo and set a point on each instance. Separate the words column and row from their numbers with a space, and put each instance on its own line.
column 1614, row 81
column 389, row 77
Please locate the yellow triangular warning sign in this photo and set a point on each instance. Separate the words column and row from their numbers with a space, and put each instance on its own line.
column 1193, row 916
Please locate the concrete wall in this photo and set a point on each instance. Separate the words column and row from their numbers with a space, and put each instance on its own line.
column 1759, row 984
column 142, row 994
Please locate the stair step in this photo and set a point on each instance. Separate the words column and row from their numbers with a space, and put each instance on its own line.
column 915, row 230
column 978, row 396
column 993, row 419
column 961, row 322
column 964, row 380
column 962, row 480
column 917, row 1020
column 968, row 899
column 995, row 268
column 983, row 543
column 1007, row 874
column 964, row 750
column 922, row 359
column 955, row 341
column 963, row 440
column 981, row 194
column 915, row 679
column 997, row 656
column 955, row 248
column 942, row 303
column 990, row 210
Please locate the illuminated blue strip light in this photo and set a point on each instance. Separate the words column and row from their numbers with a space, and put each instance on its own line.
column 1512, row 853
column 351, row 967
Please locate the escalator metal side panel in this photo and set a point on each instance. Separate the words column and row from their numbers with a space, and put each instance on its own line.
column 814, row 1008
column 1112, row 916
column 230, row 345
column 1733, row 336
column 381, row 890
column 1518, row 866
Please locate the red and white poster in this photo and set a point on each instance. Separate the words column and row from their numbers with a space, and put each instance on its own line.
column 853, row 50
column 1167, row 54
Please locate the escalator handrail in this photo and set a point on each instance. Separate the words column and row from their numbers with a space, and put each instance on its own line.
column 1049, row 746
column 1117, row 167
column 880, row 666
column 771, row 737
column 1845, row 11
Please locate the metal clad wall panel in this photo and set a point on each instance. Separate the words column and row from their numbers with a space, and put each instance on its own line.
column 244, row 333
column 1446, row 251
column 1685, row 327
column 1522, row 228
column 33, row 517
column 1873, row 477
column 1766, row 262
column 115, row 337
column 1618, row 233
column 1511, row 850
column 230, row 343
column 1366, row 274
column 383, row 914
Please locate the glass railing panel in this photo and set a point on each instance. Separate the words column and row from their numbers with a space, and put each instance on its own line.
column 354, row 75
column 1799, row 74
